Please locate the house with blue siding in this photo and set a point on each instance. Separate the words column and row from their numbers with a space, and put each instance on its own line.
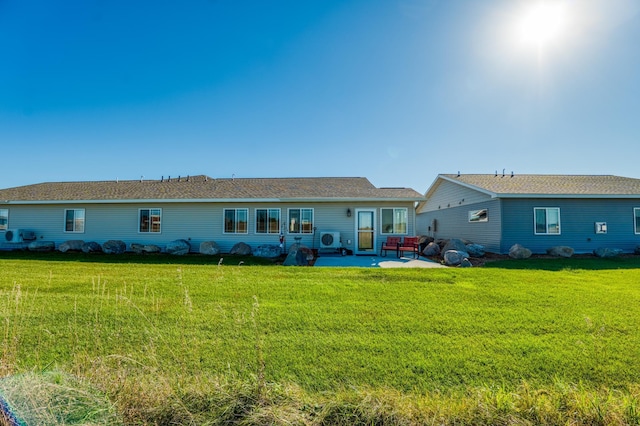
column 331, row 213
column 537, row 211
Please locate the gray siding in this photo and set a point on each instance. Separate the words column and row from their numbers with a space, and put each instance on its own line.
column 577, row 224
column 449, row 194
column 454, row 223
column 196, row 222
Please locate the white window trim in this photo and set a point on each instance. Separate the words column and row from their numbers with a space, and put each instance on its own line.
column 393, row 224
column 84, row 221
column 313, row 221
column 149, row 231
column 7, row 224
column 268, row 232
column 636, row 212
column 224, row 215
column 535, row 231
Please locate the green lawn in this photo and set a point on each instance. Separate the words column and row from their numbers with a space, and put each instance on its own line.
column 332, row 334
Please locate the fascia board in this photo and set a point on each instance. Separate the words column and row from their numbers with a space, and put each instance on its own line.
column 571, row 196
column 213, row 200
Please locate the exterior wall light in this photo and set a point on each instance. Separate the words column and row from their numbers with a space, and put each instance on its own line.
column 348, row 212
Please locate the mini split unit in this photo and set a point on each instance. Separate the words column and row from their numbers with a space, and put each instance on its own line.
column 330, row 240
column 19, row 235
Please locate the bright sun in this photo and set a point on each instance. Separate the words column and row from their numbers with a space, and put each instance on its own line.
column 542, row 24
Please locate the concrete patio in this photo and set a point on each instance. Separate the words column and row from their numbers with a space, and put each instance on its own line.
column 374, row 261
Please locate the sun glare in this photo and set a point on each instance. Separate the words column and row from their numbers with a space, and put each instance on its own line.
column 542, row 24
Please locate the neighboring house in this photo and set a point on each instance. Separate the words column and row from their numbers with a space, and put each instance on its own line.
column 198, row 208
column 537, row 211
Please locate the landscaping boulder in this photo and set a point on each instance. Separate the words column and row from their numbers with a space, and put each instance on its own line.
column 475, row 250
column 454, row 257
column 560, row 251
column 114, row 247
column 454, row 244
column 241, row 249
column 518, row 251
column 299, row 255
column 269, row 251
column 209, row 248
column 466, row 263
column 432, row 249
column 41, row 246
column 137, row 248
column 71, row 245
column 607, row 252
column 151, row 248
column 91, row 247
column 178, row 247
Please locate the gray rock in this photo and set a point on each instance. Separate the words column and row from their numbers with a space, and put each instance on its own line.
column 71, row 245
column 518, row 251
column 560, row 251
column 114, row 247
column 475, row 250
column 42, row 246
column 209, row 248
column 299, row 255
column 425, row 239
column 432, row 249
column 607, row 252
column 137, row 248
column 269, row 251
column 466, row 263
column 151, row 248
column 454, row 257
column 178, row 247
column 91, row 247
column 241, row 249
column 454, row 244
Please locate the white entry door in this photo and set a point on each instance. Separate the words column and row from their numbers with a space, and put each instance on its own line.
column 365, row 231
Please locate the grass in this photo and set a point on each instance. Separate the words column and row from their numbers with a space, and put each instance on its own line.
column 186, row 341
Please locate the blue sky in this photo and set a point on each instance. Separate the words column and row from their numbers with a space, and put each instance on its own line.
column 394, row 90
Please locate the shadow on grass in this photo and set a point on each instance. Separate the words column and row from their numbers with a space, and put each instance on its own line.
column 583, row 262
column 148, row 259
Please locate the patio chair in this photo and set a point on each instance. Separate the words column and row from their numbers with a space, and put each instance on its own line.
column 409, row 244
column 391, row 244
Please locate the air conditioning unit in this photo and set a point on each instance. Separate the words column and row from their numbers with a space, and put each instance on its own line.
column 13, row 235
column 19, row 235
column 330, row 240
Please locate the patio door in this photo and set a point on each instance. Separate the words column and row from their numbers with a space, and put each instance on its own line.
column 365, row 231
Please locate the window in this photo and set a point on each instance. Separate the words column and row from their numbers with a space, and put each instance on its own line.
column 4, row 219
column 479, row 215
column 235, row 221
column 636, row 220
column 300, row 221
column 267, row 221
column 150, row 220
column 394, row 221
column 601, row 227
column 547, row 220
column 74, row 220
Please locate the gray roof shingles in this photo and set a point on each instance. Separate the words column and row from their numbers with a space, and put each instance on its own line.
column 205, row 188
column 552, row 185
